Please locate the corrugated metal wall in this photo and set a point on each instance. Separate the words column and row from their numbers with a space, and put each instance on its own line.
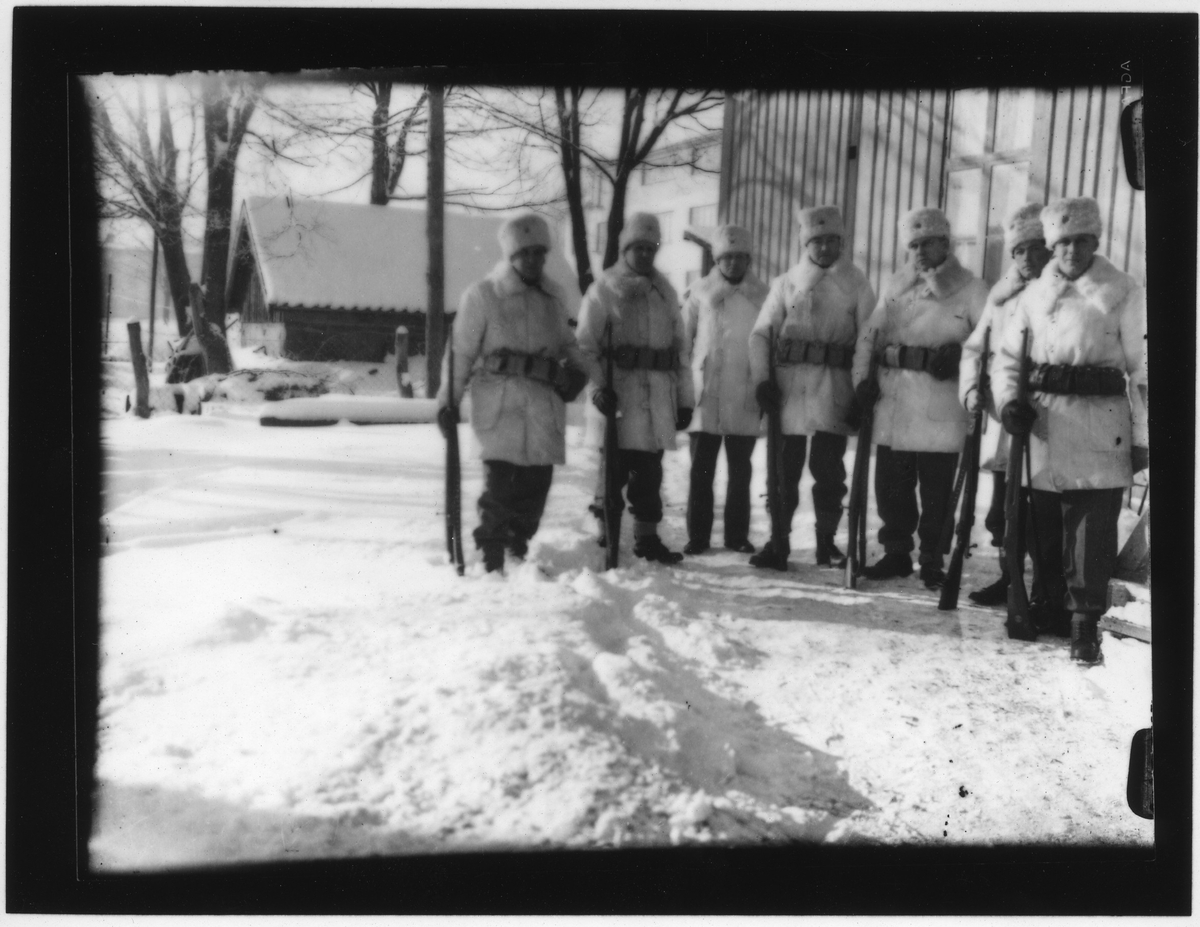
column 879, row 153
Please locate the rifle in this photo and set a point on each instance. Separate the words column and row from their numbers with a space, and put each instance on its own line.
column 613, row 504
column 856, row 548
column 1020, row 623
column 453, row 475
column 948, row 600
column 775, row 488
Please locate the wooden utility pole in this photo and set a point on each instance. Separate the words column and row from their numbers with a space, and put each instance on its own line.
column 435, row 319
column 402, row 378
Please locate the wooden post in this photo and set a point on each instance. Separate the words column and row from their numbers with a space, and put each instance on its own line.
column 435, row 320
column 141, row 378
column 153, row 294
column 107, row 312
column 402, row 378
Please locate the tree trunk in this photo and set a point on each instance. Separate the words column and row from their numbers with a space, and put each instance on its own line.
column 141, row 378
column 616, row 221
column 435, row 319
column 380, row 162
column 212, row 342
column 179, row 278
column 568, row 146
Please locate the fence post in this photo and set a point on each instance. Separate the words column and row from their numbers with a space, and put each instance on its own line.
column 402, row 378
column 140, row 378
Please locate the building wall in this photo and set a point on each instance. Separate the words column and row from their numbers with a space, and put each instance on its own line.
column 976, row 153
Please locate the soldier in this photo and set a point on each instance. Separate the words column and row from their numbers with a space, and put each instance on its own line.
column 814, row 313
column 928, row 308
column 1086, row 412
column 637, row 307
column 1026, row 243
column 718, row 312
column 513, row 345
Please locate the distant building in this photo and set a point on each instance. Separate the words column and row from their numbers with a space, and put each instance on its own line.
column 681, row 186
column 320, row 280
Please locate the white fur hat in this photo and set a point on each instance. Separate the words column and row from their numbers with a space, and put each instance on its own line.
column 819, row 220
column 731, row 239
column 1071, row 216
column 526, row 230
column 1023, row 225
column 923, row 222
column 642, row 226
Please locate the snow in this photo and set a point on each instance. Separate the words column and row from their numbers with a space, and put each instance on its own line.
column 290, row 668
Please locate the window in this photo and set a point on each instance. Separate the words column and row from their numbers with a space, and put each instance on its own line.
column 702, row 216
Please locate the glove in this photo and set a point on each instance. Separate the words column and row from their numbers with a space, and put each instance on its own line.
column 1018, row 417
column 867, row 393
column 944, row 363
column 605, row 399
column 1141, row 458
column 447, row 420
column 973, row 400
column 571, row 383
column 683, row 418
column 769, row 396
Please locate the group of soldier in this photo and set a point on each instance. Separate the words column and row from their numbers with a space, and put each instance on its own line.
column 818, row 349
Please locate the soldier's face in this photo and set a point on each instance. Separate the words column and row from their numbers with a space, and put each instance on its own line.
column 823, row 250
column 1030, row 257
column 640, row 257
column 1075, row 253
column 528, row 263
column 734, row 265
column 928, row 253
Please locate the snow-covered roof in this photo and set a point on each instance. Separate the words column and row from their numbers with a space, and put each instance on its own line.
column 317, row 254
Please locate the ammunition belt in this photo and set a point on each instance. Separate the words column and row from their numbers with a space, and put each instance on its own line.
column 630, row 357
column 912, row 357
column 531, row 366
column 1077, row 381
column 791, row 351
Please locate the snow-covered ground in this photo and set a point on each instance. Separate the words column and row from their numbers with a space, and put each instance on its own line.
column 291, row 669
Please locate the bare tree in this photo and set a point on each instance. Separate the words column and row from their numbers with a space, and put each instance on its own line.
column 388, row 155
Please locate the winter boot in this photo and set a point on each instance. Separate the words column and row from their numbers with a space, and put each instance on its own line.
column 650, row 547
column 932, row 575
column 493, row 557
column 695, row 547
column 518, row 547
column 890, row 565
column 770, row 559
column 828, row 553
column 995, row 594
column 1050, row 619
column 740, row 547
column 1085, row 638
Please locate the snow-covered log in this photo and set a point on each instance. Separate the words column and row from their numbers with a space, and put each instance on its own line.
column 361, row 410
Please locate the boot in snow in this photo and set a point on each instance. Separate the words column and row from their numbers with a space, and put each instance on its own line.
column 932, row 575
column 740, row 547
column 650, row 547
column 493, row 557
column 695, row 547
column 770, row 559
column 995, row 594
column 518, row 547
column 1050, row 619
column 890, row 565
column 828, row 553
column 1085, row 638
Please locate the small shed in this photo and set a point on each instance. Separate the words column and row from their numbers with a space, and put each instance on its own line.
column 317, row 280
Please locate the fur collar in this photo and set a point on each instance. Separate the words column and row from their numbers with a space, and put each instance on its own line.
column 508, row 282
column 716, row 289
column 627, row 284
column 1008, row 286
column 941, row 283
column 1101, row 284
column 805, row 275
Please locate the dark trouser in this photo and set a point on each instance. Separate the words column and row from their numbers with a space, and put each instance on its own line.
column 1075, row 542
column 738, row 449
column 829, row 478
column 897, row 476
column 640, row 474
column 994, row 520
column 512, row 503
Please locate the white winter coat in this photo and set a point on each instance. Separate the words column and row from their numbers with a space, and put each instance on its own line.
column 997, row 313
column 1080, row 442
column 717, row 318
column 515, row 419
column 916, row 412
column 812, row 303
column 644, row 312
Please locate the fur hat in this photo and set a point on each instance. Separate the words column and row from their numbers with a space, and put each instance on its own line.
column 1071, row 216
column 819, row 220
column 1023, row 225
column 923, row 222
column 642, row 226
column 731, row 239
column 526, row 230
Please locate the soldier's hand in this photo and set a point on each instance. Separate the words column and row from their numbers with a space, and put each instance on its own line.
column 571, row 383
column 944, row 363
column 1018, row 417
column 867, row 393
column 683, row 418
column 973, row 400
column 447, row 420
column 605, row 399
column 769, row 396
column 1141, row 458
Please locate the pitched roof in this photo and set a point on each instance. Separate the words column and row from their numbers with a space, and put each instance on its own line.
column 316, row 254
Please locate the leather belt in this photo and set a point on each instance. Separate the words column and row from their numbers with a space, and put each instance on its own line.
column 531, row 366
column 912, row 357
column 630, row 357
column 791, row 351
column 1072, row 380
